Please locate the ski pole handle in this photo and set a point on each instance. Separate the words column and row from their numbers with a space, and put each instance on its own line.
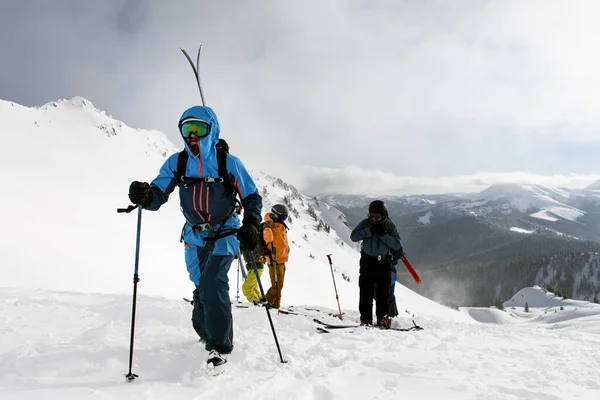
column 127, row 210
column 329, row 258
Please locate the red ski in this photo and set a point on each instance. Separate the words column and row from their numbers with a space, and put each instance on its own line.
column 410, row 269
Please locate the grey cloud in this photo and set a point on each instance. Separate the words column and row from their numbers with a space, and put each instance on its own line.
column 406, row 87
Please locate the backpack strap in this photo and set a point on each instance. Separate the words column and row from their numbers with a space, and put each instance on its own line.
column 222, row 152
column 182, row 160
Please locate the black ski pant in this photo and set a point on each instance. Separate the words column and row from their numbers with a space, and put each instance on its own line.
column 374, row 271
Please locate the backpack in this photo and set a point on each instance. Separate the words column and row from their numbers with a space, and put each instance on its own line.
column 222, row 152
column 262, row 249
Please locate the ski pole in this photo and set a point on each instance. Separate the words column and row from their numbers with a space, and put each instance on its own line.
column 238, row 281
column 264, row 300
column 131, row 376
column 243, row 269
column 334, row 287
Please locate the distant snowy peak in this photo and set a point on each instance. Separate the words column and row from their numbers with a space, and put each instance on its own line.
column 549, row 204
column 78, row 117
column 594, row 186
column 352, row 201
column 535, row 297
column 522, row 196
column 76, row 102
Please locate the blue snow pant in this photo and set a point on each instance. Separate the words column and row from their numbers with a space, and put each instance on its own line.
column 211, row 317
column 393, row 307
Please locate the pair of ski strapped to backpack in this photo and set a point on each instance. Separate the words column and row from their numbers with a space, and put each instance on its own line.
column 213, row 235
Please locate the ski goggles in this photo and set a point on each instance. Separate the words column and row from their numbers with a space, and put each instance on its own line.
column 281, row 217
column 375, row 216
column 194, row 126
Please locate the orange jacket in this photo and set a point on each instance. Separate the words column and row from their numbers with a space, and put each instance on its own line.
column 276, row 239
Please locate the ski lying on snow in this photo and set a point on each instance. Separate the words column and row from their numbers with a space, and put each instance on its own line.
column 288, row 312
column 325, row 327
column 237, row 305
column 299, row 312
column 335, row 326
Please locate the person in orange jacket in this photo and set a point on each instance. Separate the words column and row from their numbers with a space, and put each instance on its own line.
column 275, row 237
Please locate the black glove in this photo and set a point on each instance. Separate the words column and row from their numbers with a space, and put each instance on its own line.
column 140, row 194
column 378, row 229
column 387, row 225
column 248, row 233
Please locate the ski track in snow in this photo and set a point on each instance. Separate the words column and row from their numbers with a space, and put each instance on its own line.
column 71, row 346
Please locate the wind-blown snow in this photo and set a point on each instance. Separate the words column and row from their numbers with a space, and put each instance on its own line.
column 65, row 303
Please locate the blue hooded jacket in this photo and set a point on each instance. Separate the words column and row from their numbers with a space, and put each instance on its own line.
column 204, row 201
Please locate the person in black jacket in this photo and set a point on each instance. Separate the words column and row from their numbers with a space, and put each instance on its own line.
column 379, row 239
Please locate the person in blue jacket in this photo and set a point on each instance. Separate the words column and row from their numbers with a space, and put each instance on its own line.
column 212, row 232
column 379, row 238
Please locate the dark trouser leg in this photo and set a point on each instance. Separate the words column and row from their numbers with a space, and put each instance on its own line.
column 382, row 302
column 198, row 316
column 366, row 284
column 214, row 296
column 365, row 302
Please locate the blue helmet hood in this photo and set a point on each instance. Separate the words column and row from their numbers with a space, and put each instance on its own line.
column 207, row 144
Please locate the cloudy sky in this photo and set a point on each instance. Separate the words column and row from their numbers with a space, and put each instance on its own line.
column 354, row 96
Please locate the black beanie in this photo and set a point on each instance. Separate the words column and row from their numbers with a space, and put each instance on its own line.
column 377, row 206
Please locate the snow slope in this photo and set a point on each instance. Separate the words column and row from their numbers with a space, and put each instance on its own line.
column 76, row 346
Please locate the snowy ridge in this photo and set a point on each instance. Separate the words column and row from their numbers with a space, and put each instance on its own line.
column 520, row 197
column 538, row 297
column 594, row 186
column 351, row 201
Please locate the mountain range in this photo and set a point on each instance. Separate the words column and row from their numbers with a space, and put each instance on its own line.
column 478, row 247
